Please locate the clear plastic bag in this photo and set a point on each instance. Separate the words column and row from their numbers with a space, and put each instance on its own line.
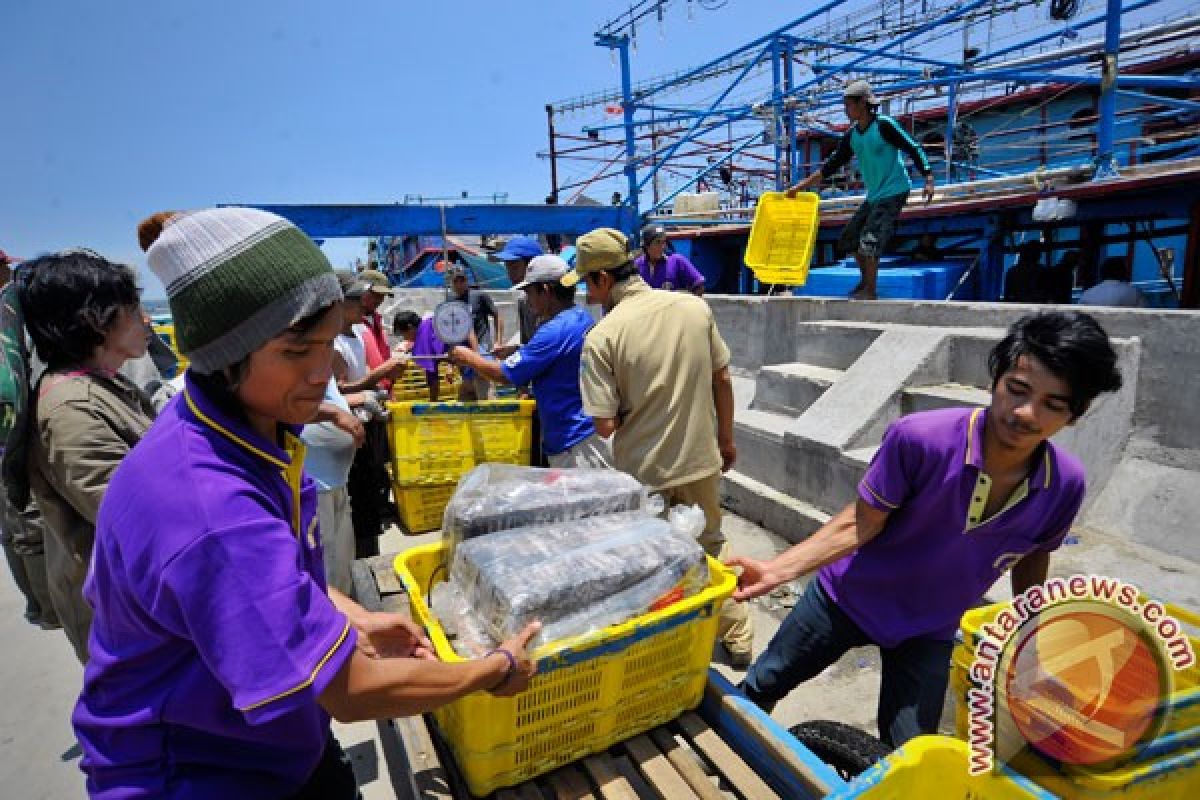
column 582, row 575
column 460, row 624
column 500, row 497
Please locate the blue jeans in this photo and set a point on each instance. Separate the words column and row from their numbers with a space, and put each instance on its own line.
column 817, row 633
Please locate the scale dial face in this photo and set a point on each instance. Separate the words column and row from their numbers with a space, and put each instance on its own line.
column 452, row 321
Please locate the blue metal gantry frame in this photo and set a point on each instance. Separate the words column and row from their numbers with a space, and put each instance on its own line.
column 643, row 109
column 333, row 221
column 787, row 97
column 780, row 47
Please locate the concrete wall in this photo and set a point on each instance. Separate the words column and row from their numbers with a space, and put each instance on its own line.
column 762, row 330
column 1141, row 445
column 1169, row 370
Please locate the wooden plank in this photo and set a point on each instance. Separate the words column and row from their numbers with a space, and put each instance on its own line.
column 385, row 574
column 568, row 783
column 779, row 752
column 658, row 770
column 429, row 776
column 612, row 784
column 397, row 604
column 728, row 763
column 686, row 764
column 366, row 592
column 630, row 773
column 529, row 791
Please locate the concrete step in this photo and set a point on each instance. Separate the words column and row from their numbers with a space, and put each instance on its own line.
column 946, row 395
column 792, row 519
column 791, row 388
column 804, row 471
column 759, row 439
column 969, row 356
column 859, row 458
column 832, row 344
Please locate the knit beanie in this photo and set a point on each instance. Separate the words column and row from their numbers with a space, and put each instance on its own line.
column 236, row 278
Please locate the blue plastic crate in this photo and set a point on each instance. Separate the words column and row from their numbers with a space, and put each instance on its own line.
column 896, row 282
column 898, row 279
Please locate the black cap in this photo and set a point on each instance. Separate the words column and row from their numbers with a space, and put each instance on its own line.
column 652, row 232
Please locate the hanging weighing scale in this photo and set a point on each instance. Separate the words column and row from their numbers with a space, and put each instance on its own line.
column 452, row 318
column 452, row 322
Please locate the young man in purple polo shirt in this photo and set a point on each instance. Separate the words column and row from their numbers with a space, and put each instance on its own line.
column 952, row 499
column 217, row 653
column 662, row 271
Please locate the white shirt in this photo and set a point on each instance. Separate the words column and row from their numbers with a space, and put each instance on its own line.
column 352, row 350
column 1112, row 293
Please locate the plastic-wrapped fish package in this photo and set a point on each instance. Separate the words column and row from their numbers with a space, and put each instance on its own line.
column 460, row 624
column 583, row 575
column 534, row 543
column 500, row 497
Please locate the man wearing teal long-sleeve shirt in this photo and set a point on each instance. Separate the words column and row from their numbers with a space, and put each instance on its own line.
column 876, row 141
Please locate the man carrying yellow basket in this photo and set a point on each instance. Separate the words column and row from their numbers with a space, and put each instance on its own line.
column 876, row 141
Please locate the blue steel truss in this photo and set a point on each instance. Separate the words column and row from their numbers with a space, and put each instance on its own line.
column 899, row 64
column 905, row 72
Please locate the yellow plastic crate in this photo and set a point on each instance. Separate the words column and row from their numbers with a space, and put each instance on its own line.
column 590, row 692
column 782, row 237
column 1172, row 776
column 411, row 385
column 435, row 443
column 936, row 767
column 421, row 507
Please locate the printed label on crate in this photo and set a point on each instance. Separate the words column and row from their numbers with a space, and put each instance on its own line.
column 1078, row 670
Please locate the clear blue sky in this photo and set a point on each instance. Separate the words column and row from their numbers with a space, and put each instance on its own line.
column 114, row 109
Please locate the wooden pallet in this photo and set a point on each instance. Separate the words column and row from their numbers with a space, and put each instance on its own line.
column 683, row 760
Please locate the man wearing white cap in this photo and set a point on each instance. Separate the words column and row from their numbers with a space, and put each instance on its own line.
column 550, row 363
column 876, row 141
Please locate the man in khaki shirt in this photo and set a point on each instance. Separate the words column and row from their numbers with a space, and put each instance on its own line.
column 655, row 377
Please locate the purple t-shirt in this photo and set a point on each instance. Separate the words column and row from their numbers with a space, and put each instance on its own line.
column 427, row 343
column 676, row 273
column 931, row 563
column 213, row 635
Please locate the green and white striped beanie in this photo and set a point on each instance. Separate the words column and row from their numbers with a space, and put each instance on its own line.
column 236, row 278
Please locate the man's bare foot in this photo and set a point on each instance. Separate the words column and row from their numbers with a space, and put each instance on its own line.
column 863, row 294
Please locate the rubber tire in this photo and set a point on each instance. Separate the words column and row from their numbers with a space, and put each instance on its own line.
column 845, row 748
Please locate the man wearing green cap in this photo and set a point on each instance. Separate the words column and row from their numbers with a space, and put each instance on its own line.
column 641, row 376
column 876, row 141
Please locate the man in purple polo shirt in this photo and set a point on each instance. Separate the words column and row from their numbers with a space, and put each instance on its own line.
column 952, row 499
column 217, row 652
column 671, row 272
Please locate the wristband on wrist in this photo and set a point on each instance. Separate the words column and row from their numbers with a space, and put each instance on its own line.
column 512, row 666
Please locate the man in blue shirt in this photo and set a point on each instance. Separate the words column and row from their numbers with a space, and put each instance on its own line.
column 550, row 363
column 876, row 141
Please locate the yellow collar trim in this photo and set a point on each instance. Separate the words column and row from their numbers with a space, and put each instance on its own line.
column 230, row 435
column 979, row 499
column 971, row 433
